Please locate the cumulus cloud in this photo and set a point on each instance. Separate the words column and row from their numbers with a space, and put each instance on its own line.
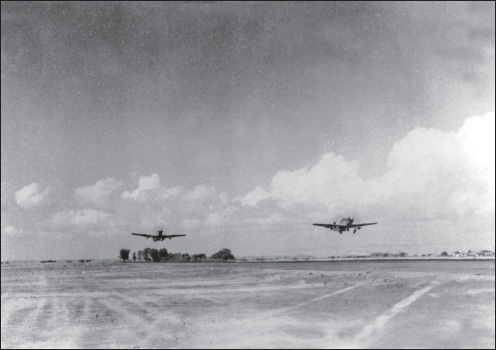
column 252, row 198
column 149, row 205
column 145, row 184
column 215, row 219
column 7, row 228
column 99, row 194
column 333, row 182
column 220, row 218
column 30, row 196
column 154, row 205
column 83, row 218
column 437, row 174
column 201, row 193
column 170, row 192
column 431, row 175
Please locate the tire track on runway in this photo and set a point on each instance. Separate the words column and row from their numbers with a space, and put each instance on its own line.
column 373, row 330
column 43, row 317
column 134, row 307
column 344, row 290
column 6, row 310
column 134, row 325
column 15, row 315
column 159, row 325
column 23, row 324
column 136, row 330
column 92, row 331
column 76, row 309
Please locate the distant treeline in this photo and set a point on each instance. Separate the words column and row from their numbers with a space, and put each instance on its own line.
column 456, row 253
column 53, row 261
column 162, row 255
column 385, row 255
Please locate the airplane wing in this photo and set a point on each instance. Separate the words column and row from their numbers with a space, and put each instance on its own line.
column 141, row 234
column 330, row 225
column 355, row 225
column 171, row 236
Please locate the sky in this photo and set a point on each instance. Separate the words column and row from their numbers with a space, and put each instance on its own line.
column 241, row 124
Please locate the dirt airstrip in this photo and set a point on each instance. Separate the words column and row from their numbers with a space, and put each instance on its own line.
column 338, row 304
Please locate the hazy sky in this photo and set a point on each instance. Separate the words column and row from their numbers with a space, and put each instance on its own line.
column 241, row 124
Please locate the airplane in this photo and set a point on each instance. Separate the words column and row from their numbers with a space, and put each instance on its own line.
column 347, row 223
column 159, row 237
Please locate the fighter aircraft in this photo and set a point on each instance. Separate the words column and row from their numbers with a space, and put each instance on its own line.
column 345, row 225
column 159, row 237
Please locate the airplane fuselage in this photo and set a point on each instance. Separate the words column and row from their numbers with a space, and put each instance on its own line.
column 345, row 225
column 160, row 236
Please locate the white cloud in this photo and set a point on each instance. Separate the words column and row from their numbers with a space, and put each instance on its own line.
column 332, row 183
column 171, row 192
column 146, row 184
column 7, row 228
column 220, row 218
column 30, row 196
column 200, row 193
column 152, row 205
column 442, row 174
column 215, row 219
column 147, row 207
column 252, row 198
column 432, row 175
column 99, row 194
column 83, row 218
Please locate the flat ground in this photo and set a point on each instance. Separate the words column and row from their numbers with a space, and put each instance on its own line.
column 337, row 304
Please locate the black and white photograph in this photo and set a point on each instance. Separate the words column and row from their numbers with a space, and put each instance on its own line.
column 252, row 174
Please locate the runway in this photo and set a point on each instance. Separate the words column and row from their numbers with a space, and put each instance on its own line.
column 333, row 304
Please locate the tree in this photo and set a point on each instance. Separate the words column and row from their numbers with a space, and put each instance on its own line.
column 185, row 257
column 223, row 254
column 199, row 257
column 140, row 255
column 445, row 253
column 146, row 254
column 154, row 255
column 163, row 254
column 134, row 256
column 175, row 257
column 124, row 254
